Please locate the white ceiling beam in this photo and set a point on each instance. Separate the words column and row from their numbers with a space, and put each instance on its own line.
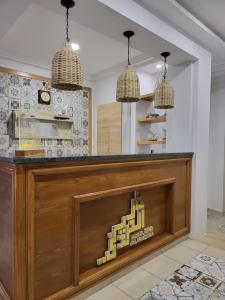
column 174, row 14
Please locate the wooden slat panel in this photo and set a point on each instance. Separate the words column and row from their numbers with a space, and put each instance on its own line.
column 109, row 128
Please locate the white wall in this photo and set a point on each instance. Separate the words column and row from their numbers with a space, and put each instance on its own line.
column 200, row 102
column 147, row 81
column 178, row 124
column 216, row 146
column 178, row 118
column 179, row 135
column 104, row 91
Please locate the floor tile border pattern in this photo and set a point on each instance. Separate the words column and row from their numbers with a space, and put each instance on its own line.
column 202, row 278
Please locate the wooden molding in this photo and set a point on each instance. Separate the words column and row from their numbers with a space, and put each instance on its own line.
column 19, row 233
column 24, row 74
column 125, row 189
column 95, row 166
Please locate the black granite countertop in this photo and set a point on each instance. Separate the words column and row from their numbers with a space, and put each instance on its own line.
column 27, row 160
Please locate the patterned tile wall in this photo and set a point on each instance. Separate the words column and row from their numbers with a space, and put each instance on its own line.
column 21, row 94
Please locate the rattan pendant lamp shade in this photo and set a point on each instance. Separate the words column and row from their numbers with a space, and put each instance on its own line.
column 67, row 72
column 164, row 93
column 128, row 86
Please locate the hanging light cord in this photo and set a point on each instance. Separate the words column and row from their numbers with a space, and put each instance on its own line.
column 128, row 51
column 67, row 25
column 165, row 69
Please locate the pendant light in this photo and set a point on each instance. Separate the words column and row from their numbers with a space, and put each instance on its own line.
column 128, row 87
column 164, row 93
column 67, row 73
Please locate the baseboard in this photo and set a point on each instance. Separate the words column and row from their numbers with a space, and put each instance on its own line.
column 216, row 212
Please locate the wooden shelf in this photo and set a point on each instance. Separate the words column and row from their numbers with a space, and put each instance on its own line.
column 148, row 97
column 145, row 142
column 150, row 119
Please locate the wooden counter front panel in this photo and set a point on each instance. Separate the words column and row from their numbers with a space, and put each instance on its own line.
column 97, row 218
column 65, row 242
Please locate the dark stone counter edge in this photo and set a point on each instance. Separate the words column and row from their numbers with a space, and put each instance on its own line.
column 28, row 160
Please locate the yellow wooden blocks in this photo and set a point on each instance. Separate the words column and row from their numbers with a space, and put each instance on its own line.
column 130, row 231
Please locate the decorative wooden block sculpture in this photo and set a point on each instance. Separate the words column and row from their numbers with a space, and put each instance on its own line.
column 129, row 232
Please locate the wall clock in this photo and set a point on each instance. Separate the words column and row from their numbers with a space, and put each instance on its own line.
column 44, row 96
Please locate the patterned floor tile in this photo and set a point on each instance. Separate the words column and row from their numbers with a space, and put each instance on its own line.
column 216, row 296
column 178, row 280
column 221, row 265
column 198, row 291
column 185, row 296
column 221, row 288
column 166, row 290
column 189, row 272
column 208, row 281
column 211, row 270
column 221, row 228
column 151, row 296
column 206, row 258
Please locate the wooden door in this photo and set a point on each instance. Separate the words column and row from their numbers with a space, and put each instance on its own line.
column 109, row 128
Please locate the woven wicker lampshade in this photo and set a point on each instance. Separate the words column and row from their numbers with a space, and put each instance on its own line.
column 128, row 86
column 164, row 93
column 67, row 72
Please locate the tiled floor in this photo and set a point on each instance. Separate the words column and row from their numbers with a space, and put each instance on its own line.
column 216, row 224
column 191, row 270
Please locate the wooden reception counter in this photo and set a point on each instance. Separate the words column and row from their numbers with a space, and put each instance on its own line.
column 67, row 223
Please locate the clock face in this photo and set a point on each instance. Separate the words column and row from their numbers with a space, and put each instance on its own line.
column 44, row 97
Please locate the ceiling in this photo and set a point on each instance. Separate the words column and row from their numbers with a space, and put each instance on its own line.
column 210, row 12
column 34, row 41
column 31, row 31
column 201, row 20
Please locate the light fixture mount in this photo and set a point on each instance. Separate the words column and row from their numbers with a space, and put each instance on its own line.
column 68, row 3
column 165, row 54
column 128, row 34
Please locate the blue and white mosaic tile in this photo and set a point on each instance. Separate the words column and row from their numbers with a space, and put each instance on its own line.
column 21, row 94
column 206, row 258
column 203, row 278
